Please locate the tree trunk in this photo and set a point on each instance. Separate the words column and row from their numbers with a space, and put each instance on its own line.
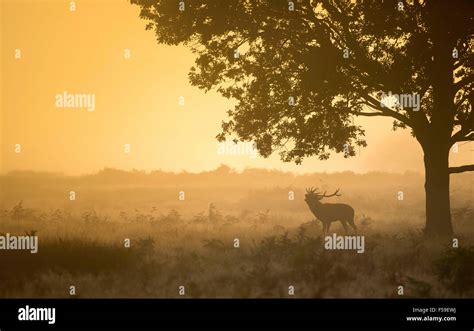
column 438, row 208
column 436, row 141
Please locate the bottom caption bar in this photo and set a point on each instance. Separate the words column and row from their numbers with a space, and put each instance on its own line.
column 237, row 314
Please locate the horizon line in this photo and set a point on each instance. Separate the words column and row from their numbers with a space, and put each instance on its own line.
column 184, row 171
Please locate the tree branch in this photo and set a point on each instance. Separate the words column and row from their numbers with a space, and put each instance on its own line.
column 463, row 135
column 375, row 104
column 361, row 113
column 457, row 170
column 463, row 82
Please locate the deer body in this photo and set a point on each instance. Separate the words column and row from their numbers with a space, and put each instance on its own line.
column 330, row 212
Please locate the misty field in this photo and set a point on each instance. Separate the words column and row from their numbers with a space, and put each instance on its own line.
column 191, row 242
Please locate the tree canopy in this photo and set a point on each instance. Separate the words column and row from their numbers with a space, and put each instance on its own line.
column 334, row 59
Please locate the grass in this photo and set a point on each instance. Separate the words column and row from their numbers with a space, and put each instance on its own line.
column 167, row 250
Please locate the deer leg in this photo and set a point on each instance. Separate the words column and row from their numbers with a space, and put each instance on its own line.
column 351, row 222
column 325, row 228
column 346, row 228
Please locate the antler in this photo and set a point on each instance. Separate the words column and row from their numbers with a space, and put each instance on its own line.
column 311, row 190
column 331, row 195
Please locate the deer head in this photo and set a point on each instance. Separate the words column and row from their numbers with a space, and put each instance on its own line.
column 313, row 194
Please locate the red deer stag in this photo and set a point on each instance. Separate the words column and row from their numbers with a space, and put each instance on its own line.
column 329, row 212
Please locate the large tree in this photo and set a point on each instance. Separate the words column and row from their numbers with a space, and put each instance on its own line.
column 336, row 59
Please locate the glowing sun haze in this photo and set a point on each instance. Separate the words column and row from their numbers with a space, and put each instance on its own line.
column 136, row 100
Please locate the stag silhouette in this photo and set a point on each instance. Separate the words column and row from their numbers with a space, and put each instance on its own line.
column 329, row 212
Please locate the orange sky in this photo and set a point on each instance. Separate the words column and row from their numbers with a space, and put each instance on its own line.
column 136, row 100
